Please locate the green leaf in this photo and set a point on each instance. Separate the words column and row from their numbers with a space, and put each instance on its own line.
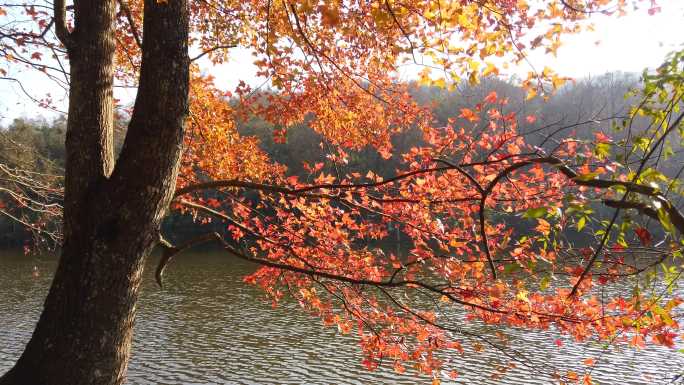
column 602, row 150
column 536, row 212
column 544, row 284
column 581, row 223
column 664, row 219
column 586, row 177
column 511, row 267
column 664, row 315
column 642, row 143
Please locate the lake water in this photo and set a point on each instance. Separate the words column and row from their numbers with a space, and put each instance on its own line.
column 207, row 327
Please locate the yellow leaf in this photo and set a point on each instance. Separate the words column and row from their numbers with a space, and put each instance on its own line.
column 473, row 79
column 522, row 295
column 455, row 243
column 424, row 77
column 491, row 69
column 557, row 81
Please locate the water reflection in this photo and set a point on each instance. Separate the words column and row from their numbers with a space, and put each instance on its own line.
column 207, row 327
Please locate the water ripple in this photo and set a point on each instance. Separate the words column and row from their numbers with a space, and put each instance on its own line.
column 207, row 327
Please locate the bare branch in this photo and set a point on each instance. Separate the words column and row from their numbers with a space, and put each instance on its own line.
column 484, row 193
column 169, row 251
column 403, row 31
column 212, row 49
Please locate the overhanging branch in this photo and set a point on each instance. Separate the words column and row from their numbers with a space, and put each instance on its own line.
column 485, row 191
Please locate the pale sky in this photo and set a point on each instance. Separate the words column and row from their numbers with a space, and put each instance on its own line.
column 629, row 44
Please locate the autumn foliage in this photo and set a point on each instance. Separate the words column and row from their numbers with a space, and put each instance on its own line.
column 483, row 214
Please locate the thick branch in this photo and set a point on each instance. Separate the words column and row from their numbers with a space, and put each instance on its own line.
column 567, row 171
column 676, row 217
column 149, row 159
column 572, row 174
column 61, row 29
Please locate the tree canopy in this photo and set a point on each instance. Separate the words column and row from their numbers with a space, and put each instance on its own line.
column 497, row 225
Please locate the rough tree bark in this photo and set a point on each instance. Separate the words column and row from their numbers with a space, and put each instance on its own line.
column 112, row 211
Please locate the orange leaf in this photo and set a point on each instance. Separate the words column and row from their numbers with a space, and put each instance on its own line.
column 637, row 341
column 491, row 97
column 543, row 227
column 469, row 115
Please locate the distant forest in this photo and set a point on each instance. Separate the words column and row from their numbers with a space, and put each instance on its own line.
column 579, row 109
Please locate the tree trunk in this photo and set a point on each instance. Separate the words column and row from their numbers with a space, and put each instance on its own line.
column 112, row 212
